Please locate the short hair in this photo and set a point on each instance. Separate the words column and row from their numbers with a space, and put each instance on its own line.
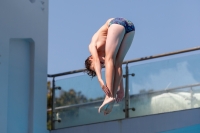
column 87, row 66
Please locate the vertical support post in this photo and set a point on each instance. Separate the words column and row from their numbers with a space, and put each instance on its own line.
column 53, row 105
column 191, row 98
column 126, row 93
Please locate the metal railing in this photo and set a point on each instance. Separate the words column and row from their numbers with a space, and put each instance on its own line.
column 126, row 76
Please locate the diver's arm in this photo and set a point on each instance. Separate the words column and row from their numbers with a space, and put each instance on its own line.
column 97, row 67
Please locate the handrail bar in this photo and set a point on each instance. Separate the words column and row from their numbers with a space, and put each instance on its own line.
column 162, row 55
column 66, row 73
column 130, row 61
column 159, row 91
column 76, row 105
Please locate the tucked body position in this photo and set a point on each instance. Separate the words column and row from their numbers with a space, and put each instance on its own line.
column 108, row 48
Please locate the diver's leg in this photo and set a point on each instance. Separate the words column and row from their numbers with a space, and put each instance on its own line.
column 123, row 49
column 114, row 38
column 121, row 52
column 120, row 90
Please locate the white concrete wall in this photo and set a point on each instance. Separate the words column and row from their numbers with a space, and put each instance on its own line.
column 23, row 65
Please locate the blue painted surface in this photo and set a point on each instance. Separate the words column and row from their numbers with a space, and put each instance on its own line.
column 190, row 129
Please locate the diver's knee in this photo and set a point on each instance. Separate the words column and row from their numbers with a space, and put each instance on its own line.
column 109, row 59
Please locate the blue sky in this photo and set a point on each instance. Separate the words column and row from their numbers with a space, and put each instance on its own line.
column 161, row 26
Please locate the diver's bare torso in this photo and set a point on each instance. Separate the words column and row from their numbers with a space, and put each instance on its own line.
column 99, row 38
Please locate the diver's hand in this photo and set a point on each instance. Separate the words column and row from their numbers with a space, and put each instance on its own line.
column 105, row 88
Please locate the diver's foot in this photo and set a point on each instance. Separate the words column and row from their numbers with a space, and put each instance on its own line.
column 109, row 108
column 120, row 95
column 107, row 105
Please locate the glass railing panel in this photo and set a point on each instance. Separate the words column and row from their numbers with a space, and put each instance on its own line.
column 195, row 97
column 165, row 85
column 78, row 101
column 87, row 114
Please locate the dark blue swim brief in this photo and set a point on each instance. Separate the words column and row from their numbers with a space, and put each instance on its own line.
column 128, row 25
